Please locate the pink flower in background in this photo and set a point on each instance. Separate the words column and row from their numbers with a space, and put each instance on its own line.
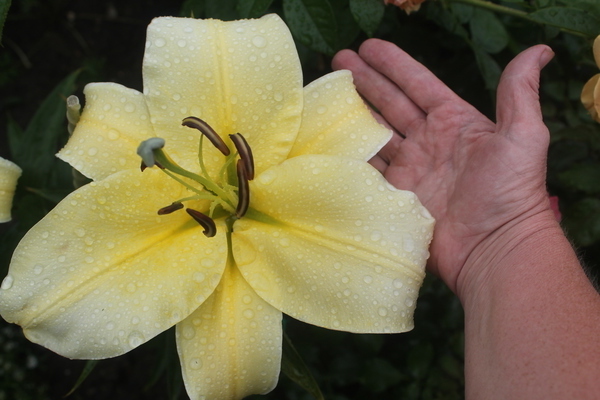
column 407, row 5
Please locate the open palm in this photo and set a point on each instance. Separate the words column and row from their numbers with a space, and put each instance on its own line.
column 476, row 177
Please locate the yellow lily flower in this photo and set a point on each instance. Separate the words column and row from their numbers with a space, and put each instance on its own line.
column 9, row 174
column 318, row 234
column 590, row 94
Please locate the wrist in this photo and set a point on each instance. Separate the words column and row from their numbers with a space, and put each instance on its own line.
column 502, row 256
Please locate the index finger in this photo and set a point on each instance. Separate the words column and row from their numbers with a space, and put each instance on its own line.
column 415, row 80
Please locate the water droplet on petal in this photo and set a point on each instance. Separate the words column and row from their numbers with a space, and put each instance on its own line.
column 259, row 41
column 7, row 282
column 135, row 339
column 159, row 42
column 195, row 363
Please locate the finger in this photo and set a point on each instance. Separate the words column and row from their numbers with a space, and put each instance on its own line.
column 382, row 93
column 518, row 108
column 418, row 83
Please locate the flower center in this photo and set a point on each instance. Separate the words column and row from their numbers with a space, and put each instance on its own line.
column 231, row 198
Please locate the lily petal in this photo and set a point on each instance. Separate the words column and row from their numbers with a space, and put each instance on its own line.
column 9, row 174
column 231, row 346
column 341, row 248
column 100, row 289
column 336, row 121
column 240, row 77
column 590, row 96
column 114, row 122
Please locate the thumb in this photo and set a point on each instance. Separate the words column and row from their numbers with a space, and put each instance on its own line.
column 518, row 108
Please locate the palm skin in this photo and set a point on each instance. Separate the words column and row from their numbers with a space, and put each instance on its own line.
column 479, row 179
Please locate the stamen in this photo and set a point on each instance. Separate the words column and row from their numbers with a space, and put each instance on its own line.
column 245, row 152
column 146, row 150
column 210, row 229
column 208, row 131
column 243, row 190
column 170, row 208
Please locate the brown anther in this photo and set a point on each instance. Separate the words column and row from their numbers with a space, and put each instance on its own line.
column 208, row 131
column 210, row 229
column 243, row 190
column 170, row 208
column 245, row 153
column 144, row 166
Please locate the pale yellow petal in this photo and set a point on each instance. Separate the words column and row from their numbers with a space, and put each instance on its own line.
column 596, row 50
column 231, row 346
column 336, row 121
column 348, row 252
column 114, row 121
column 102, row 273
column 240, row 76
column 9, row 174
column 590, row 96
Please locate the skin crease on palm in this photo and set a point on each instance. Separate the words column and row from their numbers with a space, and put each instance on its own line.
column 476, row 177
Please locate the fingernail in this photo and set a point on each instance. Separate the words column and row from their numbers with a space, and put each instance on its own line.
column 545, row 57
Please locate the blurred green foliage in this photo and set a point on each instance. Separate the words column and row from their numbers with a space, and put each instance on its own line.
column 52, row 48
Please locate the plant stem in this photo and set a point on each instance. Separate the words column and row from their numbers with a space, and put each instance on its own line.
column 497, row 8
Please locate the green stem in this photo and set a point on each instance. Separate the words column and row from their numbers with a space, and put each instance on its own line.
column 497, row 8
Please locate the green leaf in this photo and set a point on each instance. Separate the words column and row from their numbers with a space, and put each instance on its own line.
column 34, row 148
column 488, row 32
column 582, row 221
column 193, row 8
column 313, row 23
column 568, row 18
column 87, row 370
column 592, row 6
column 253, row 8
column 464, row 12
column 368, row 14
column 224, row 10
column 584, row 177
column 4, row 6
column 294, row 368
column 490, row 70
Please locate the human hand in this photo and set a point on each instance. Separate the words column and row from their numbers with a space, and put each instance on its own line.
column 480, row 180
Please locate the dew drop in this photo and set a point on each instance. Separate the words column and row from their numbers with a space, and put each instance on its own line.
column 199, row 277
column 321, row 110
column 195, row 363
column 409, row 302
column 319, row 228
column 247, row 299
column 80, row 232
column 38, row 269
column 92, row 151
column 284, row 242
column 259, row 41
column 113, row 134
column 159, row 42
column 131, row 287
column 382, row 311
column 135, row 339
column 248, row 313
column 188, row 332
column 397, row 283
column 368, row 279
column 176, row 97
column 7, row 282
